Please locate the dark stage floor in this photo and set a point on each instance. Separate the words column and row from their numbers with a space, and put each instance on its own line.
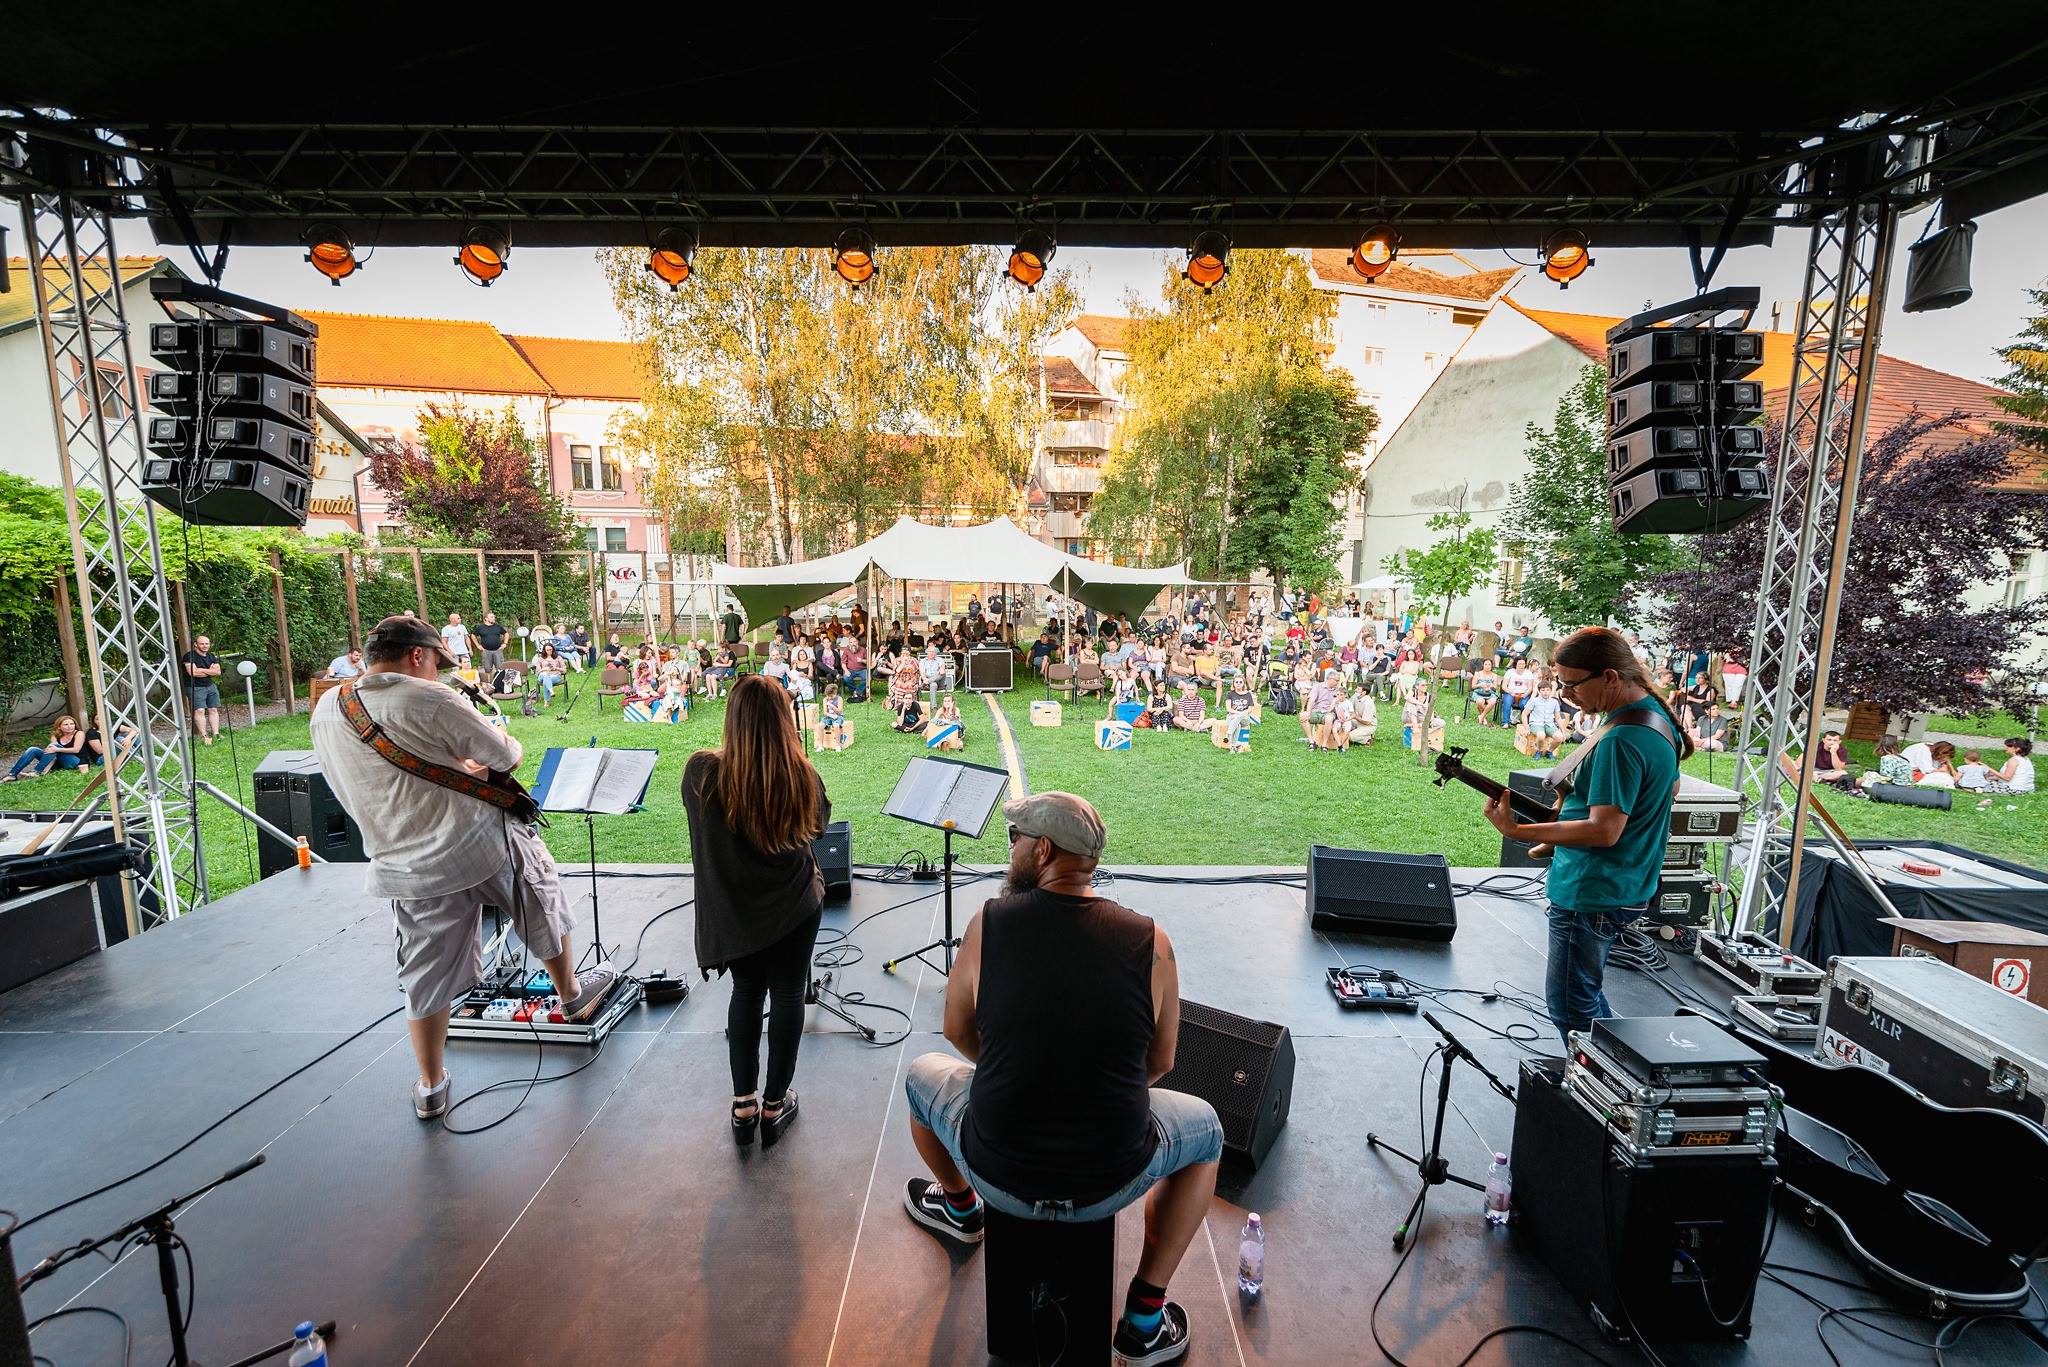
column 612, row 1220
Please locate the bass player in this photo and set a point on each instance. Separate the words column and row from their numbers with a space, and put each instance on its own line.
column 427, row 780
column 1612, row 828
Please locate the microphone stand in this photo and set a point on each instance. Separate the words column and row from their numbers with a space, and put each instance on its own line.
column 815, row 993
column 1432, row 1166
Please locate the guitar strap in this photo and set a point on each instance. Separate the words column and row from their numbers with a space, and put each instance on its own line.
column 1654, row 718
column 516, row 804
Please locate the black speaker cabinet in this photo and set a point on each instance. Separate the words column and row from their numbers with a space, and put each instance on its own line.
column 991, row 670
column 1611, row 1226
column 1403, row 895
column 834, row 850
column 292, row 794
column 1242, row 1067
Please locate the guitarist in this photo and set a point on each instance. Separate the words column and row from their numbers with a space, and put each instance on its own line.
column 409, row 758
column 1611, row 830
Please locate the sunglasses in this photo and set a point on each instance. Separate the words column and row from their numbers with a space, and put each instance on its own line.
column 1016, row 835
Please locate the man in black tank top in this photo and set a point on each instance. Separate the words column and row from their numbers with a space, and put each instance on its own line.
column 1066, row 1008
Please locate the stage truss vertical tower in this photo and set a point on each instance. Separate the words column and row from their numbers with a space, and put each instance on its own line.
column 1812, row 516
column 74, row 270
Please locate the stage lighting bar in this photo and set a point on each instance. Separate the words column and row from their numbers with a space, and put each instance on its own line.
column 1208, row 259
column 1566, row 255
column 1376, row 249
column 853, row 256
column 672, row 257
column 331, row 251
column 485, row 253
column 1030, row 257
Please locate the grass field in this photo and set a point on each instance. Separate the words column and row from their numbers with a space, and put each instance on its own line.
column 1171, row 799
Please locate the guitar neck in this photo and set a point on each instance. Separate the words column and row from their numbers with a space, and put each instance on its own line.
column 1524, row 807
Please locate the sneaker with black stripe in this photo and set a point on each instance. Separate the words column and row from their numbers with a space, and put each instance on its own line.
column 1167, row 1343
column 926, row 1202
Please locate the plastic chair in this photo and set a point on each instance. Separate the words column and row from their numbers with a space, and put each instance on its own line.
column 1059, row 678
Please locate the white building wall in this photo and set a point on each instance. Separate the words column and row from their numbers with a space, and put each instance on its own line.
column 1466, row 434
column 28, row 433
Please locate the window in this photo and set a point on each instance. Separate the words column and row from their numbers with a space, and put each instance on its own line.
column 1371, row 398
column 612, row 468
column 1429, row 359
column 581, row 473
column 1374, row 355
column 1376, row 309
column 113, row 394
column 615, row 538
column 1508, row 581
column 590, row 541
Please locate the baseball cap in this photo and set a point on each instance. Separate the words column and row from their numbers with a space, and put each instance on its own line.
column 1066, row 820
column 401, row 630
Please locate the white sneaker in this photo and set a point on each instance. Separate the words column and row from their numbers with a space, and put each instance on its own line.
column 432, row 1103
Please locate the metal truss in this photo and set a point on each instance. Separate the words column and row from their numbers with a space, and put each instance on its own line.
column 123, row 597
column 1812, row 516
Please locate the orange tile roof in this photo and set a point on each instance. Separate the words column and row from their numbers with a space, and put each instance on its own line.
column 1064, row 378
column 1902, row 387
column 1332, row 265
column 370, row 351
column 1107, row 332
column 583, row 368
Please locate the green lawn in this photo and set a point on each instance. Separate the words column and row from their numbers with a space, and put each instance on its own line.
column 1172, row 799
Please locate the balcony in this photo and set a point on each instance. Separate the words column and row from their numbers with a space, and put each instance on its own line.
column 1055, row 478
column 1066, row 526
column 1083, row 434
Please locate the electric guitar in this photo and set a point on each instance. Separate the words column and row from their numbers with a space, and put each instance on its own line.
column 1450, row 764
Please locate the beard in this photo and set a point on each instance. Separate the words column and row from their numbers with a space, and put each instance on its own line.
column 1020, row 880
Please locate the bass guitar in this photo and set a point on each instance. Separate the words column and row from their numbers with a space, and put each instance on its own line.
column 1450, row 764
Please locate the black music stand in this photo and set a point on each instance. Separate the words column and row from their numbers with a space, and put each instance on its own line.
column 605, row 794
column 947, row 795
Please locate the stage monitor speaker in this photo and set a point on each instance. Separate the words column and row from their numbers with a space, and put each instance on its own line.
column 292, row 794
column 1611, row 1226
column 1404, row 895
column 1242, row 1067
column 991, row 671
column 834, row 850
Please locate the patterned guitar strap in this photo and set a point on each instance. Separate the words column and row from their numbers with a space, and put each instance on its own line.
column 456, row 780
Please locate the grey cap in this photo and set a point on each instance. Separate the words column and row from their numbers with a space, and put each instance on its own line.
column 400, row 629
column 1066, row 820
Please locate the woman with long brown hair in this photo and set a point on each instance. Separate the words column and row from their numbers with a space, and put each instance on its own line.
column 1611, row 832
column 755, row 804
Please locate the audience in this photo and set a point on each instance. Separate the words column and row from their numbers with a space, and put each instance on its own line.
column 1831, row 763
column 548, row 669
column 1710, row 729
column 2016, row 775
column 65, row 749
column 1544, row 718
column 1892, row 766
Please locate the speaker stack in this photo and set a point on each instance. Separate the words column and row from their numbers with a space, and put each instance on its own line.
column 292, row 794
column 231, row 436
column 1242, row 1067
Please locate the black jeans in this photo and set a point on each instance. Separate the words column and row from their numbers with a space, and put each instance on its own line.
column 776, row 975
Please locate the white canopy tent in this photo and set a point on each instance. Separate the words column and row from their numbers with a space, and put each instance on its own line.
column 997, row 552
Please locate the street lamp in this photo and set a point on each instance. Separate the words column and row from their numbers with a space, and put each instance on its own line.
column 247, row 669
column 523, row 634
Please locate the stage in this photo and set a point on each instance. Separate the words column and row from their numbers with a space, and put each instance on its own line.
column 613, row 1220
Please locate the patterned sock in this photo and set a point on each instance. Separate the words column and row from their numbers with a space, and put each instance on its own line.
column 962, row 1202
column 1144, row 1306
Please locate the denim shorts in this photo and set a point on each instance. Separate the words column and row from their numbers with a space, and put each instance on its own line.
column 1186, row 1131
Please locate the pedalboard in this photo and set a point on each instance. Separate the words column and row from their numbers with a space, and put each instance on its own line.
column 1367, row 992
column 516, row 1004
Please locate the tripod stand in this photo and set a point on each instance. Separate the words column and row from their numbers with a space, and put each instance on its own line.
column 1432, row 1166
column 948, row 941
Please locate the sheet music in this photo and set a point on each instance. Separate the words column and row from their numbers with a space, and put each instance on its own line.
column 608, row 782
column 932, row 792
column 974, row 797
column 921, row 792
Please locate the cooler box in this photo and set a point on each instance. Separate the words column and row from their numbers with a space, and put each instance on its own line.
column 1045, row 713
column 1112, row 734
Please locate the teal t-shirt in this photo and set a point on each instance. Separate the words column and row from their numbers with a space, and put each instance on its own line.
column 1634, row 769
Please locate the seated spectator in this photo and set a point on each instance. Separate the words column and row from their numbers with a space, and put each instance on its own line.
column 1318, row 709
column 96, row 743
column 548, row 670
column 1585, row 722
column 1237, row 696
column 1365, row 717
column 903, row 684
column 723, row 667
column 1485, row 692
column 65, row 749
column 777, row 669
column 1411, row 723
column 1919, row 757
column 1189, row 714
column 1159, row 707
column 1544, row 717
column 615, row 650
column 1517, row 687
column 1123, row 685
column 948, row 714
column 1973, row 774
column 1710, row 729
column 832, row 733
column 2016, row 775
column 566, row 647
column 1892, row 765
column 348, row 666
column 853, row 669
column 910, row 718
column 673, row 702
column 1831, row 761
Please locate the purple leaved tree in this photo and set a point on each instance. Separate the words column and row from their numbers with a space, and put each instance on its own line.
column 473, row 479
column 1932, row 523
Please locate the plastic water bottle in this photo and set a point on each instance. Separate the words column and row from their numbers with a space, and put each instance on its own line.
column 1499, row 1188
column 1251, row 1260
column 308, row 1348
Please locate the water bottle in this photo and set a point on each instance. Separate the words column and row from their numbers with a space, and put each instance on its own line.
column 1499, row 1187
column 1251, row 1260
column 308, row 1348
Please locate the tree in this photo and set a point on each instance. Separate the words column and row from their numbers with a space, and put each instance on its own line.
column 2026, row 372
column 473, row 479
column 1578, row 570
column 1206, row 372
column 1932, row 522
column 801, row 413
column 1288, row 514
column 1448, row 569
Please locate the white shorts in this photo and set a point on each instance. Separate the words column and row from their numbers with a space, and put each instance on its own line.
column 441, row 940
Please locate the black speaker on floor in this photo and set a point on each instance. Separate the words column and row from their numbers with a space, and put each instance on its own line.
column 292, row 794
column 1611, row 1226
column 1371, row 893
column 1242, row 1067
column 834, row 850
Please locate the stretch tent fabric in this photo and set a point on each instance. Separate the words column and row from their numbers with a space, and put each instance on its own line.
column 997, row 552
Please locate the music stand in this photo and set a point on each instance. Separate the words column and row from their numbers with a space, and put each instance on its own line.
column 608, row 782
column 947, row 795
